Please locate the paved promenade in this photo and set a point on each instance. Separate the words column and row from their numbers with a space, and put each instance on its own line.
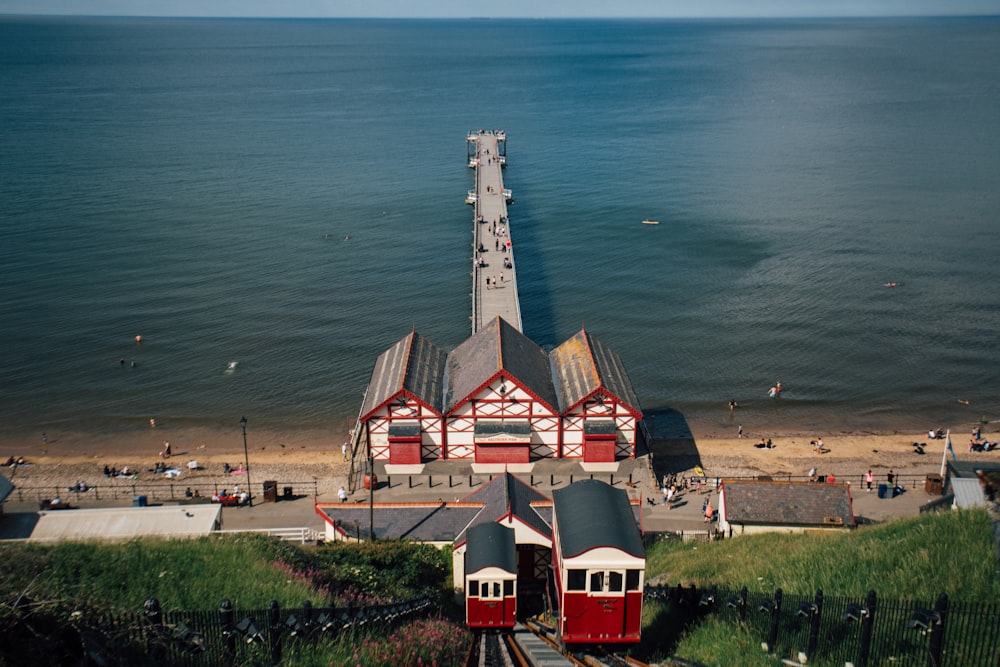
column 494, row 272
column 452, row 480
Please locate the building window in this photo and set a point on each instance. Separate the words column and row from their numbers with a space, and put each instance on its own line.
column 576, row 580
column 607, row 582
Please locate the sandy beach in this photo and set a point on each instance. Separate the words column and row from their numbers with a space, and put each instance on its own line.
column 314, row 456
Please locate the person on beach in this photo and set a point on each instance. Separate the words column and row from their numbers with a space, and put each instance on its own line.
column 709, row 513
column 165, row 454
column 890, row 478
column 671, row 492
column 739, row 431
column 732, row 405
column 666, row 493
column 343, row 451
column 342, row 494
column 869, row 478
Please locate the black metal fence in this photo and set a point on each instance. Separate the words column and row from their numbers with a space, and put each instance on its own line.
column 152, row 490
column 862, row 631
column 224, row 637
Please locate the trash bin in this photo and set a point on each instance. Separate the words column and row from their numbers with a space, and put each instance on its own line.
column 138, row 501
column 271, row 491
column 287, row 492
column 883, row 490
column 934, row 485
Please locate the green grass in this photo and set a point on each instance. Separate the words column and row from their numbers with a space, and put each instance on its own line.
column 909, row 559
column 250, row 571
column 914, row 558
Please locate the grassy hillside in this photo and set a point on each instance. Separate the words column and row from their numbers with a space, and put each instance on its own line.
column 68, row 581
column 249, row 570
column 909, row 559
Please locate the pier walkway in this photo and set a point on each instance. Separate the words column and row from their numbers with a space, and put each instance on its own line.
column 494, row 272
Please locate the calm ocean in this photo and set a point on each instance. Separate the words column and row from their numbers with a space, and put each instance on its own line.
column 194, row 181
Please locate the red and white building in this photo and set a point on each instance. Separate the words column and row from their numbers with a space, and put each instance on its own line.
column 499, row 398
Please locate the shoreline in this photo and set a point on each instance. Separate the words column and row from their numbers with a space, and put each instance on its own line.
column 314, row 455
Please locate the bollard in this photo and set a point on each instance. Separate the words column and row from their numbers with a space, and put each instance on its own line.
column 409, row 481
column 470, row 480
column 612, row 480
column 937, row 632
column 531, row 480
column 552, row 479
column 274, row 619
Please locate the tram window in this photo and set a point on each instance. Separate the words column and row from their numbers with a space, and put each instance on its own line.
column 576, row 580
column 615, row 579
column 597, row 581
column 632, row 578
column 473, row 588
column 508, row 588
column 496, row 589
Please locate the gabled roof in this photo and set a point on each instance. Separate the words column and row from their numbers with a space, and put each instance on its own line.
column 490, row 545
column 591, row 514
column 506, row 494
column 584, row 365
column 787, row 503
column 498, row 348
column 422, row 522
column 414, row 365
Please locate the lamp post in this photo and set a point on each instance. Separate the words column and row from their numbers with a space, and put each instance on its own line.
column 246, row 460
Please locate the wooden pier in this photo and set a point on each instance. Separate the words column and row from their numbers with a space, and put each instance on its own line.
column 494, row 271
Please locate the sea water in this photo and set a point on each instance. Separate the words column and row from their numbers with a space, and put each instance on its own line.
column 289, row 195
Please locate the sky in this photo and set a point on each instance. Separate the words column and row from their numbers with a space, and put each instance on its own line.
column 503, row 8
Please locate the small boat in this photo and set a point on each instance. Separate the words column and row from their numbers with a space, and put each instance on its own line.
column 650, row 222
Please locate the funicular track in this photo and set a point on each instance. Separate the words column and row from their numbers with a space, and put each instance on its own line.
column 533, row 645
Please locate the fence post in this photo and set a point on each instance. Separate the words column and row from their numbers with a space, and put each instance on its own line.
column 228, row 631
column 307, row 614
column 937, row 631
column 274, row 617
column 867, row 623
column 154, row 625
column 814, row 628
column 772, row 636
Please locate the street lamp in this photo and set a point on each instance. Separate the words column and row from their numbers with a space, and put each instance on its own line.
column 246, row 460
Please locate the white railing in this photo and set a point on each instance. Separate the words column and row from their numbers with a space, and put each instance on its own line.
column 301, row 535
